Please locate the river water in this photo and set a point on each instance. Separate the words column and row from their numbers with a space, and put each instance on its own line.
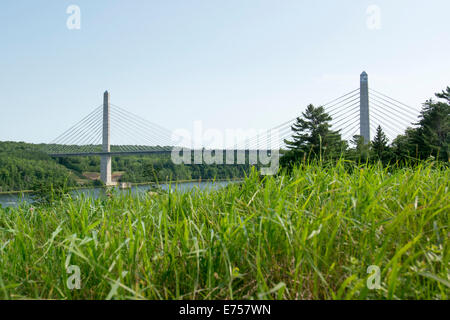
column 13, row 200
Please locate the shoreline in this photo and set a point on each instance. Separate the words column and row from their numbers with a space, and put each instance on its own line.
column 6, row 193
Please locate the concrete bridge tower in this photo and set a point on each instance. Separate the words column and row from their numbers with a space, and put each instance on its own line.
column 105, row 160
column 364, row 121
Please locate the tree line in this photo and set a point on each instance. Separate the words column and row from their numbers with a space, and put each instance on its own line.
column 313, row 137
column 25, row 166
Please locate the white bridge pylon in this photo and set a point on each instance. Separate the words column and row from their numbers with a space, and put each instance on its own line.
column 105, row 160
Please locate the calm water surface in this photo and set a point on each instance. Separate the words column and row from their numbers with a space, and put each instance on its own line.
column 13, row 200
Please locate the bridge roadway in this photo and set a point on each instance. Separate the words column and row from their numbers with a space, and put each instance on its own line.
column 132, row 153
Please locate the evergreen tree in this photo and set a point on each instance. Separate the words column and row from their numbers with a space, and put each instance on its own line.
column 312, row 134
column 445, row 95
column 402, row 147
column 432, row 137
column 379, row 146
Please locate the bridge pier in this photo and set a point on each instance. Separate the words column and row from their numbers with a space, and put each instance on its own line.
column 364, row 121
column 105, row 170
column 105, row 160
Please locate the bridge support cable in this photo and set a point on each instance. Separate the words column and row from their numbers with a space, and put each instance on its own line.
column 150, row 144
column 388, row 117
column 91, row 134
column 71, row 129
column 407, row 117
column 390, row 135
column 332, row 107
column 78, row 135
column 245, row 144
column 391, row 115
column 155, row 128
column 265, row 140
column 344, row 109
column 116, row 128
column 130, row 147
column 354, row 133
column 279, row 143
column 385, row 109
column 69, row 139
column 351, row 131
column 284, row 131
column 387, row 125
column 138, row 128
column 270, row 141
column 400, row 122
column 69, row 134
column 354, row 125
column 351, row 125
column 127, row 127
column 142, row 130
column 147, row 138
column 340, row 98
column 344, row 122
column 87, row 143
column 83, row 127
column 78, row 139
column 342, row 106
column 399, row 104
column 351, row 110
column 98, row 143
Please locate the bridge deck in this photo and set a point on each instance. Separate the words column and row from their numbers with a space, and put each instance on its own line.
column 131, row 153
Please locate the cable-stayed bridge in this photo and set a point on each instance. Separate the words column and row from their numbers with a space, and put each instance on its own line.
column 110, row 130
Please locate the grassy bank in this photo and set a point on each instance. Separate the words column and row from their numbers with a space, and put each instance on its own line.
column 309, row 235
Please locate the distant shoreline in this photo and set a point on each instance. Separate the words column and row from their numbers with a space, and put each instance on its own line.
column 131, row 184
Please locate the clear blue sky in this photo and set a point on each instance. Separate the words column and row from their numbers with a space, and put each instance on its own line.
column 231, row 64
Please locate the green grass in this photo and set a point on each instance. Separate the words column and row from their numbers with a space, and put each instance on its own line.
column 309, row 235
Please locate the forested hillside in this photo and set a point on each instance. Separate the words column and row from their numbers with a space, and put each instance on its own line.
column 25, row 167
